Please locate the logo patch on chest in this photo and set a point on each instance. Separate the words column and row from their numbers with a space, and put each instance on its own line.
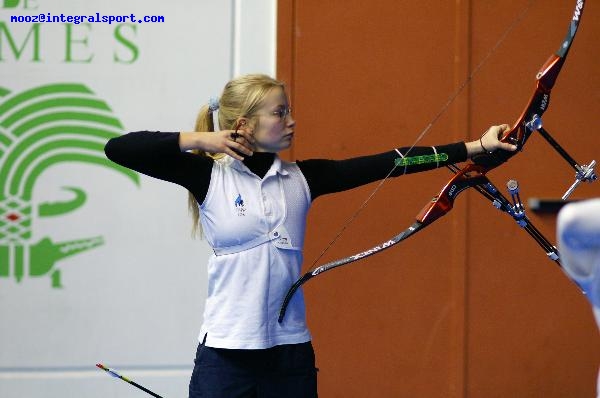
column 239, row 206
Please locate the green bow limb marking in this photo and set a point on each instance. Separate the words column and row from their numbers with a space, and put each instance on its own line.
column 421, row 159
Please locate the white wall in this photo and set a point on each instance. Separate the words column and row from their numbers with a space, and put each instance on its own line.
column 134, row 302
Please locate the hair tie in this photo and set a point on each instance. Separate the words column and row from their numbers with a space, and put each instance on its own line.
column 213, row 104
column 213, row 108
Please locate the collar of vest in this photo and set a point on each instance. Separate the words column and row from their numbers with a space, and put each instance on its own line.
column 276, row 168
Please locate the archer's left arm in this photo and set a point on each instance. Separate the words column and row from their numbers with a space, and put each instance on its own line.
column 326, row 176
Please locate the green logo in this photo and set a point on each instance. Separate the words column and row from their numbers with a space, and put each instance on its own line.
column 39, row 128
column 26, row 5
column 10, row 3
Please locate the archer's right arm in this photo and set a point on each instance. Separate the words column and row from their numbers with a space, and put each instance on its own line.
column 159, row 155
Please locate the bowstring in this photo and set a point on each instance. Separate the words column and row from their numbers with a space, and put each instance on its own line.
column 516, row 21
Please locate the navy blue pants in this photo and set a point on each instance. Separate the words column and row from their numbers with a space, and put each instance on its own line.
column 281, row 371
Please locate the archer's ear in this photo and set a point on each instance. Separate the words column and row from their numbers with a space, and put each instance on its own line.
column 243, row 122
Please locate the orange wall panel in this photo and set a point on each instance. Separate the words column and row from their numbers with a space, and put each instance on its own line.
column 471, row 306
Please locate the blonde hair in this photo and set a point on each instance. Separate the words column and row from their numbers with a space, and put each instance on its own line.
column 241, row 97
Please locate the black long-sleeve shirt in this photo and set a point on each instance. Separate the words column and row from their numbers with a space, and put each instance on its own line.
column 157, row 154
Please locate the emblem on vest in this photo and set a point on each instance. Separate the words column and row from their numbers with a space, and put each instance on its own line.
column 239, row 206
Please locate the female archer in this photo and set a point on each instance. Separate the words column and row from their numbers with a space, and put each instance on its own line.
column 252, row 206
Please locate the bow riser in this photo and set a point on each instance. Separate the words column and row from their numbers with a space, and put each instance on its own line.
column 443, row 202
column 548, row 73
column 520, row 132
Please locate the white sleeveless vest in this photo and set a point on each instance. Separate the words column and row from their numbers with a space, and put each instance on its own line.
column 256, row 229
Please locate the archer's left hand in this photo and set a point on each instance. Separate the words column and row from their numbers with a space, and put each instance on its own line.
column 490, row 141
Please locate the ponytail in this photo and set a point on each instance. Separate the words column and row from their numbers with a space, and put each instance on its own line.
column 204, row 122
